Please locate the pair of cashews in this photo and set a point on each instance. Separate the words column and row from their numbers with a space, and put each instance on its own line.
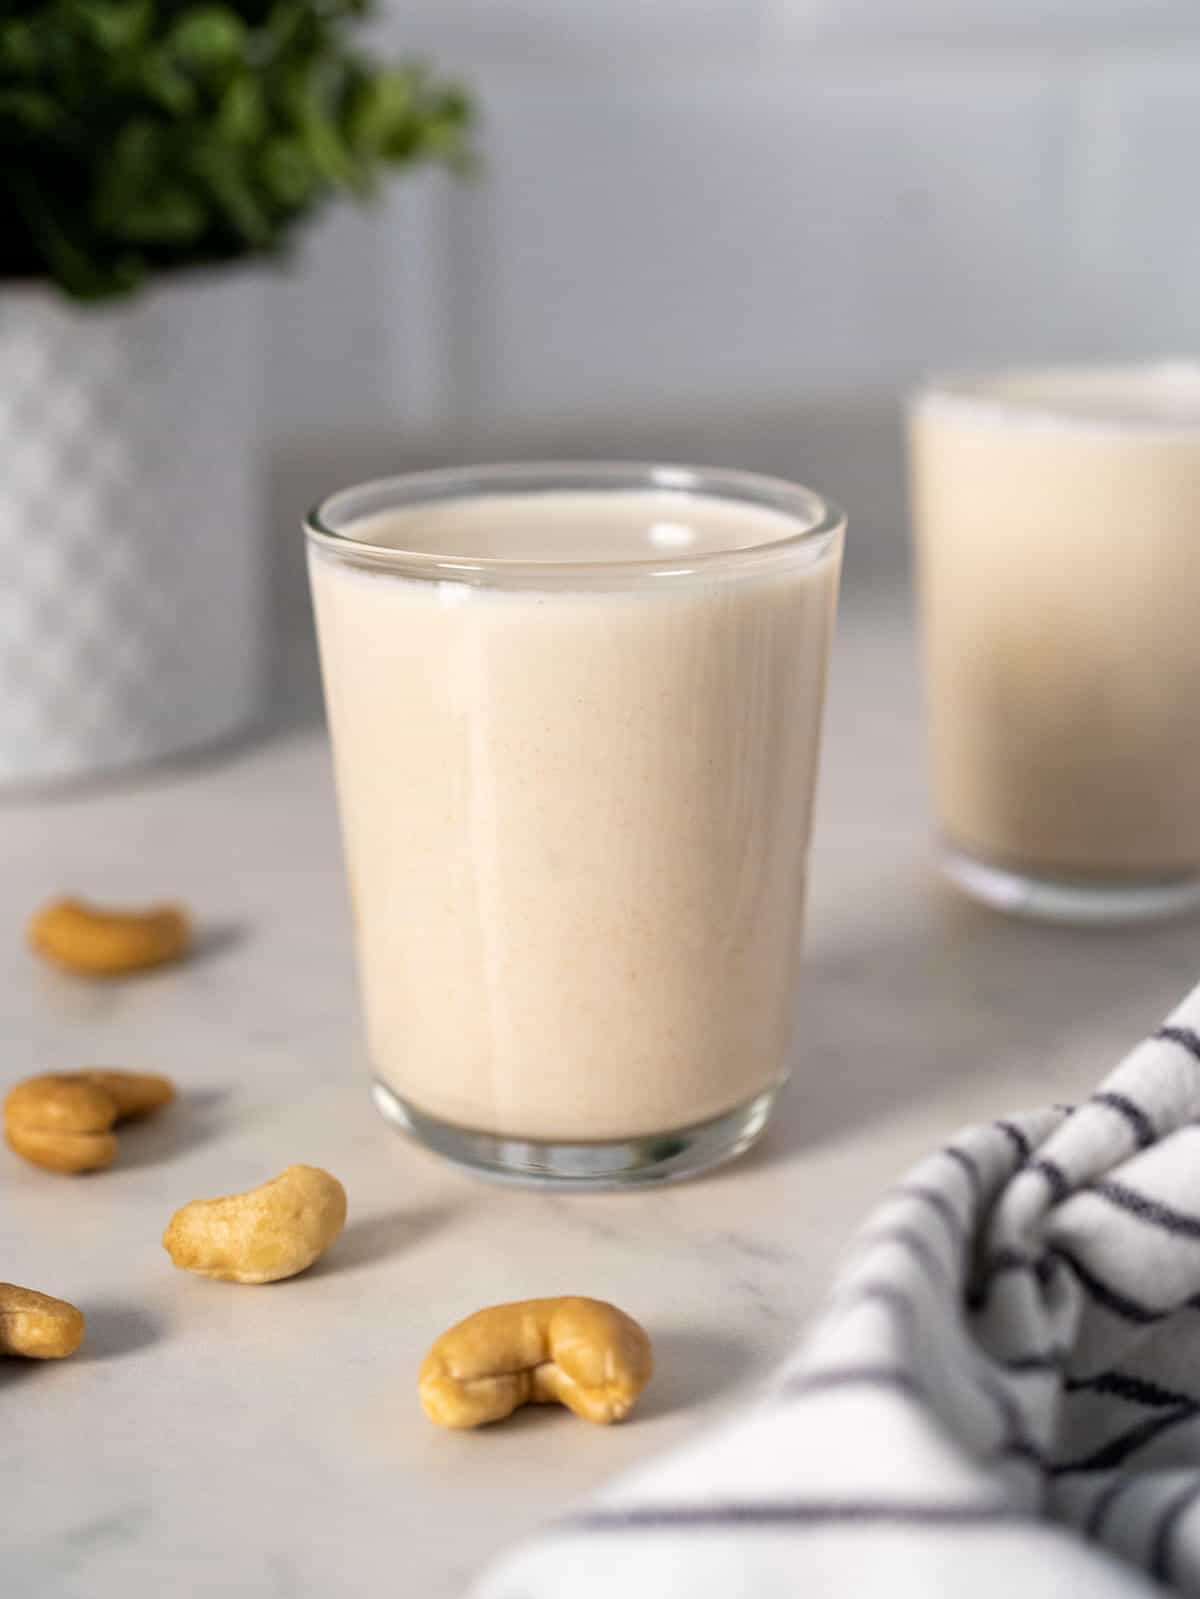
column 63, row 1121
column 581, row 1353
column 272, row 1232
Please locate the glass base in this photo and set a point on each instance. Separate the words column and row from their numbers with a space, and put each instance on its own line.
column 1078, row 901
column 617, row 1163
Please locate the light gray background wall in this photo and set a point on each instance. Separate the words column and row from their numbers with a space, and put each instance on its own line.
column 737, row 229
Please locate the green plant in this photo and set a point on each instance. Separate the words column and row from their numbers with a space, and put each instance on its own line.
column 137, row 136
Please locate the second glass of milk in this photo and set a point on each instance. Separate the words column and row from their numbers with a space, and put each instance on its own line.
column 1057, row 517
column 576, row 716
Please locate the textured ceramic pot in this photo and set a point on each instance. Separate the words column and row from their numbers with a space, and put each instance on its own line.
column 130, row 567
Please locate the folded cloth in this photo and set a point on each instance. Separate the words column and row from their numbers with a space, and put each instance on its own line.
column 1001, row 1398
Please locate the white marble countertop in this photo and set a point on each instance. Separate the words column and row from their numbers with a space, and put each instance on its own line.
column 264, row 1443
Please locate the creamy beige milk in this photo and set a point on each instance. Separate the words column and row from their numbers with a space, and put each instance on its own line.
column 577, row 820
column 1057, row 517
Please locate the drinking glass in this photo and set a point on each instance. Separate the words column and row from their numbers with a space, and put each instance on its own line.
column 576, row 714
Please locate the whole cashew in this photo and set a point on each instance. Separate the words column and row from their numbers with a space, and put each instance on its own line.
column 261, row 1236
column 36, row 1326
column 582, row 1353
column 63, row 1121
column 84, row 939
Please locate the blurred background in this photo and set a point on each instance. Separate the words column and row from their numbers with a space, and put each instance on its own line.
column 730, row 231
column 735, row 230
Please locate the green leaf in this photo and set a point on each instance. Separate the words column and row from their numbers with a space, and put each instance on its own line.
column 116, row 25
column 442, row 141
column 18, row 48
column 165, row 83
column 233, row 195
column 287, row 174
column 131, row 176
column 173, row 217
column 135, row 155
column 209, row 36
column 287, row 21
column 242, row 115
column 75, row 269
column 376, row 108
column 309, row 96
column 30, row 109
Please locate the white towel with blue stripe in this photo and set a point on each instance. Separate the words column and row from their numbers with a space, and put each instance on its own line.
column 1001, row 1398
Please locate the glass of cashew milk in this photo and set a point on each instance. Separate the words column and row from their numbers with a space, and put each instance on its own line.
column 576, row 715
column 1057, row 521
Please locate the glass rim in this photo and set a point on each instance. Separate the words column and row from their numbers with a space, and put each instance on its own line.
column 983, row 394
column 819, row 522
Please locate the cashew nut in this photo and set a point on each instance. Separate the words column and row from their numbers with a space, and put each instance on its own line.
column 63, row 1121
column 102, row 943
column 36, row 1326
column 137, row 1094
column 582, row 1353
column 262, row 1236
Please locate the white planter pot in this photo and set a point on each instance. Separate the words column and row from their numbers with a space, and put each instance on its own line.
column 130, row 569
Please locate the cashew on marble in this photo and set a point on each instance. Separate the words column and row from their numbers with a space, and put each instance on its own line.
column 581, row 1353
column 95, row 942
column 262, row 1236
column 63, row 1121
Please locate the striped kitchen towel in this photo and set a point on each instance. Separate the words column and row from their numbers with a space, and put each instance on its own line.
column 1000, row 1400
